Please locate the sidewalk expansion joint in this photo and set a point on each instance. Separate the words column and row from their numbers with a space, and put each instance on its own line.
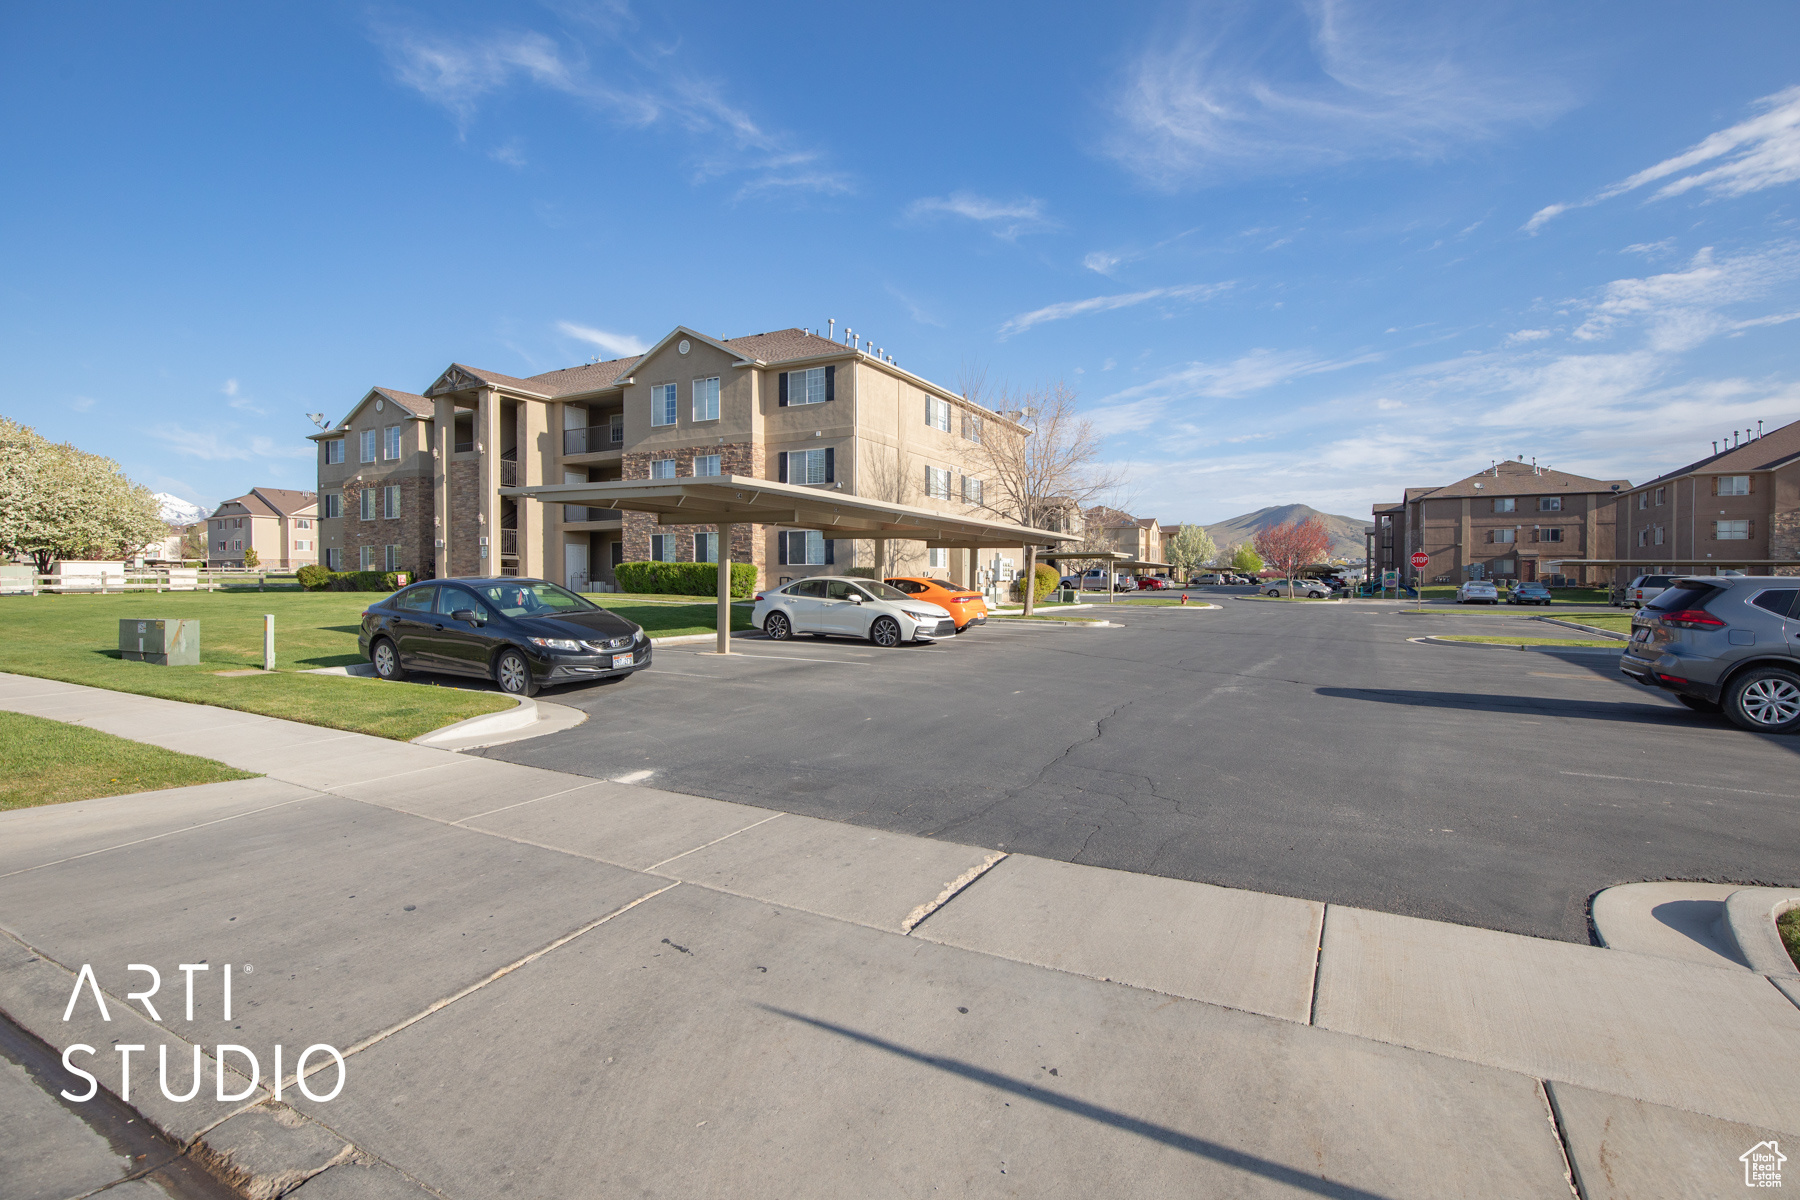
column 159, row 836
column 521, row 804
column 1562, row 1138
column 950, row 892
column 1312, row 1008
column 714, row 842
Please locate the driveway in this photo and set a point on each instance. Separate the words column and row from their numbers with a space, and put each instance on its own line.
column 1306, row 750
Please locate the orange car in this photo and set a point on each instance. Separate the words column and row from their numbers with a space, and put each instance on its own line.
column 966, row 608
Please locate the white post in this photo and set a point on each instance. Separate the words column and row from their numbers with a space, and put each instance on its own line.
column 724, row 557
column 268, row 641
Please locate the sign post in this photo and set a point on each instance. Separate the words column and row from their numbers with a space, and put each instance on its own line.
column 1420, row 560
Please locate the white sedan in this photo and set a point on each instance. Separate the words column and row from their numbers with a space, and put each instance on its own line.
column 1477, row 591
column 826, row 605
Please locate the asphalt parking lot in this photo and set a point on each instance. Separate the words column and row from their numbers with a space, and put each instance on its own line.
column 1306, row 750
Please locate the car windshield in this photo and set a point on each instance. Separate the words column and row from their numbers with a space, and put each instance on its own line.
column 882, row 591
column 533, row 599
column 1661, row 581
column 1687, row 594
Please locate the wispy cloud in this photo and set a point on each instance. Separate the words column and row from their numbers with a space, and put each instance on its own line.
column 510, row 152
column 1077, row 308
column 1750, row 156
column 82, row 403
column 915, row 310
column 1147, row 404
column 617, row 345
column 235, row 398
column 1681, row 309
column 225, row 446
column 1006, row 219
column 1215, row 98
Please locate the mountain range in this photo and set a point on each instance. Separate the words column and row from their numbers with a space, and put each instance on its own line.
column 1346, row 532
column 176, row 511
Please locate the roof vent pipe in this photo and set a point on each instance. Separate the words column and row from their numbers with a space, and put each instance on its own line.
column 1759, row 429
column 1715, row 447
column 831, row 325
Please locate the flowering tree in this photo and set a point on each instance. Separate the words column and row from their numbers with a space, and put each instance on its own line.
column 1244, row 558
column 58, row 502
column 1290, row 546
column 1189, row 549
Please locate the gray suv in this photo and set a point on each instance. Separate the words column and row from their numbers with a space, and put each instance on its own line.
column 1728, row 643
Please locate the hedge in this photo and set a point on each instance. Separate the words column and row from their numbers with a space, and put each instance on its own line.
column 683, row 579
column 319, row 579
column 1047, row 580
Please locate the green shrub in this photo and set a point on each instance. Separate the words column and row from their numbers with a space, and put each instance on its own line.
column 1047, row 580
column 318, row 579
column 683, row 579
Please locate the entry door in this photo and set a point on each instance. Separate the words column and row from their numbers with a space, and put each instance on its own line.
column 575, row 566
column 1528, row 571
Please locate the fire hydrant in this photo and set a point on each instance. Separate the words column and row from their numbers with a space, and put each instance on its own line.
column 1184, row 597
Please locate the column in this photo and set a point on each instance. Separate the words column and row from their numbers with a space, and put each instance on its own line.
column 443, row 445
column 725, row 588
column 532, row 433
column 881, row 558
column 487, row 446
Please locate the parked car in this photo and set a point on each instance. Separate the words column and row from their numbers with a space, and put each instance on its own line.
column 1071, row 582
column 824, row 605
column 1529, row 593
column 1724, row 642
column 1209, row 580
column 1094, row 580
column 965, row 607
column 521, row 633
column 1646, row 588
column 1312, row 589
column 1477, row 591
column 1154, row 583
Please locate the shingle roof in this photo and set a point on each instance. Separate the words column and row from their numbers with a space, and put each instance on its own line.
column 499, row 380
column 284, row 500
column 588, row 377
column 419, row 406
column 1759, row 454
column 784, row 344
column 1518, row 479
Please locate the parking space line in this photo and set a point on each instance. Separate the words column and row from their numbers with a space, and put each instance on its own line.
column 783, row 657
column 1710, row 787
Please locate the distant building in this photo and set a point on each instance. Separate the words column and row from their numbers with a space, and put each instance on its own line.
column 1502, row 523
column 1140, row 537
column 1736, row 509
column 279, row 524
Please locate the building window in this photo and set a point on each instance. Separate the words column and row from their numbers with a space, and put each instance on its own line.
column 221, row 546
column 809, row 466
column 1507, row 505
column 706, row 547
column 334, row 452
column 971, row 490
column 1643, row 501
column 334, row 559
column 1503, row 535
column 391, row 555
column 367, row 510
column 368, row 445
column 303, row 523
column 1659, row 496
column 1550, row 504
column 1733, row 485
column 706, row 465
column 662, row 547
column 236, row 547
column 937, row 413
column 1643, row 537
column 662, row 404
column 1657, row 539
column 662, row 468
column 617, row 422
column 302, row 545
column 1731, row 531
column 1550, row 535
column 366, row 558
column 805, row 387
column 390, row 443
column 1503, row 566
column 390, row 503
column 806, row 548
column 971, row 428
column 938, row 557
column 937, row 483
column 706, row 399
column 334, row 504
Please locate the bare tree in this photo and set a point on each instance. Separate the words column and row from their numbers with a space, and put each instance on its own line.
column 1039, row 465
column 890, row 476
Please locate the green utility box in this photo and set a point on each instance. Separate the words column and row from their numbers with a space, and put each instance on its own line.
column 165, row 643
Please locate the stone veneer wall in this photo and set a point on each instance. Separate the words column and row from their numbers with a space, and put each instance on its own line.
column 465, row 519
column 735, row 458
column 1784, row 540
column 411, row 531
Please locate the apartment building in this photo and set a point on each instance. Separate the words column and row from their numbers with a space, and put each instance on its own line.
column 1506, row 522
column 1736, row 509
column 1140, row 537
column 281, row 525
column 413, row 481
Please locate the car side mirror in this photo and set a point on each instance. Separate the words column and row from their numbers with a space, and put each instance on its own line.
column 465, row 614
column 854, row 599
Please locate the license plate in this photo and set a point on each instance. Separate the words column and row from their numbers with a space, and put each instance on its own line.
column 622, row 660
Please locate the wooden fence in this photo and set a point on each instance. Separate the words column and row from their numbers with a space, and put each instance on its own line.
column 148, row 579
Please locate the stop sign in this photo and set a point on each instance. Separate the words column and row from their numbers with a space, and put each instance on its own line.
column 1420, row 559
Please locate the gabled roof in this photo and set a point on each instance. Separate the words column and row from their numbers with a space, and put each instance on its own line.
column 588, row 377
column 417, row 407
column 271, row 502
column 1518, row 479
column 1771, row 450
column 458, row 377
column 783, row 345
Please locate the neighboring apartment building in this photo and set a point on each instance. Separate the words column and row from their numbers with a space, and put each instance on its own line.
column 413, row 482
column 1503, row 523
column 1738, row 508
column 1140, row 537
column 279, row 524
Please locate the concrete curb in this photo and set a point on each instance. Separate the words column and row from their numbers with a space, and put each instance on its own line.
column 360, row 670
column 522, row 716
column 687, row 638
column 1432, row 641
column 1285, row 600
column 1605, row 633
column 1081, row 624
column 1750, row 915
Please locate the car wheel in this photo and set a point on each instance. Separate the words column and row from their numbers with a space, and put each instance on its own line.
column 1766, row 700
column 885, row 632
column 1699, row 705
column 777, row 627
column 386, row 657
column 513, row 673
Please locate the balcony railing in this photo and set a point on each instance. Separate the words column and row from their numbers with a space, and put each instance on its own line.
column 509, row 543
column 582, row 512
column 509, row 473
column 592, row 440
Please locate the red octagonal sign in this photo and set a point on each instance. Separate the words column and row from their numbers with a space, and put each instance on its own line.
column 1420, row 559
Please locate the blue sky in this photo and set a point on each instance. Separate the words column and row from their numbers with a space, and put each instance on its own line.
column 1285, row 252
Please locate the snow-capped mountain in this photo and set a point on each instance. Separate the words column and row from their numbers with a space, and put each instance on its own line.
column 177, row 511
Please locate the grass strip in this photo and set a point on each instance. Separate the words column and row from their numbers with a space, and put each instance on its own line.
column 661, row 618
column 1789, row 925
column 54, row 762
column 1482, row 639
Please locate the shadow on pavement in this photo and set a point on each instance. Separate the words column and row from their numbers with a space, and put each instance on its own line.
column 1636, row 714
column 1173, row 1138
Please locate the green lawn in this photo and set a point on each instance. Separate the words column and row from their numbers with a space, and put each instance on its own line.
column 52, row 762
column 662, row 618
column 1482, row 639
column 75, row 638
column 1789, row 924
column 1616, row 622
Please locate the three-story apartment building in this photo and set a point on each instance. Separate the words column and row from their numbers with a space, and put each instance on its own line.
column 415, row 481
column 278, row 523
column 1738, row 508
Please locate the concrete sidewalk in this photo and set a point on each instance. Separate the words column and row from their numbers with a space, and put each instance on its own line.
column 548, row 985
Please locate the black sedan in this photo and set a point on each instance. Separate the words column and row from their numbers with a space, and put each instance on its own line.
column 521, row 633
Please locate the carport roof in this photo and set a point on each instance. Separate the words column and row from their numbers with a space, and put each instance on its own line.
column 1717, row 560
column 741, row 499
column 1117, row 558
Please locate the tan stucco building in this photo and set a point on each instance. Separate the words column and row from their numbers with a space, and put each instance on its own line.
column 413, row 481
column 278, row 523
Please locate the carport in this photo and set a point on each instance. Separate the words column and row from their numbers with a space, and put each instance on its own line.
column 727, row 501
column 1113, row 558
